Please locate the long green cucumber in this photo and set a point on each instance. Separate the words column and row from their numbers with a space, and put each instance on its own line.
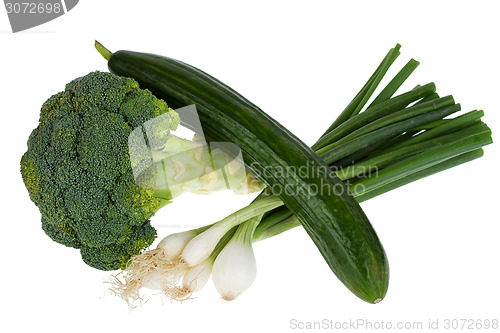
column 332, row 217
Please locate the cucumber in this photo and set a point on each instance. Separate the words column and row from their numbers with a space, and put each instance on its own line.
column 332, row 217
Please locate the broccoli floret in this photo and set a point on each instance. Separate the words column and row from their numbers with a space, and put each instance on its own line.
column 77, row 168
column 117, row 255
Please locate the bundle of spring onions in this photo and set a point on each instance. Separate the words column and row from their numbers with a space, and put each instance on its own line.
column 372, row 148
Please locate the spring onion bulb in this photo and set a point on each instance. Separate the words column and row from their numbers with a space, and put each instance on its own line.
column 235, row 268
column 197, row 277
column 174, row 244
column 200, row 247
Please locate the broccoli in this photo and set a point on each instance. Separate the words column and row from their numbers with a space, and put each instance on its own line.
column 80, row 172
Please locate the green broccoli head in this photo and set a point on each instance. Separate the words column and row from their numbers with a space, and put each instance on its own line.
column 77, row 168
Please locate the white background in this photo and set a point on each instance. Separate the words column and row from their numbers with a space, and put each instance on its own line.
column 301, row 62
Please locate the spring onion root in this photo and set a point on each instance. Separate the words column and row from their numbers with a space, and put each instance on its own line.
column 157, row 269
column 153, row 269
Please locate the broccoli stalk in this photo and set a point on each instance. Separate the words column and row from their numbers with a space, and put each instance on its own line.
column 80, row 168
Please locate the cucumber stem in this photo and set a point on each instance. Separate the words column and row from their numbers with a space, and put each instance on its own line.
column 102, row 50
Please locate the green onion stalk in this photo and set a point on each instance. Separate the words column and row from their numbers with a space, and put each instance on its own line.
column 373, row 149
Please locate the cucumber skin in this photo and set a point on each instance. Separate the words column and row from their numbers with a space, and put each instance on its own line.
column 336, row 223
